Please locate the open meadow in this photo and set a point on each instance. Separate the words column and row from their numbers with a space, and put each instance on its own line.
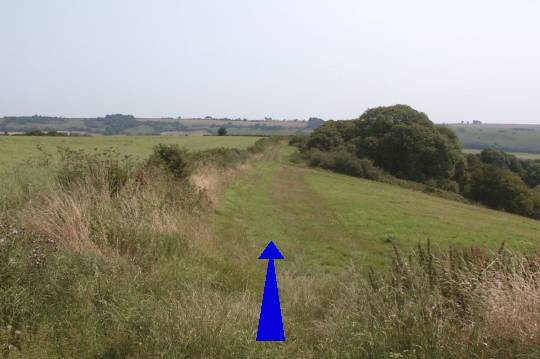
column 15, row 149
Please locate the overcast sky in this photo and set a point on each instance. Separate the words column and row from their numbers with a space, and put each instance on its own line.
column 455, row 60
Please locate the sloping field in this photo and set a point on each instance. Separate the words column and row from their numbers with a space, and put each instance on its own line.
column 324, row 221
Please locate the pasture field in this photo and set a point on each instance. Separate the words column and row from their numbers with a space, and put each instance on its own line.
column 509, row 138
column 523, row 155
column 14, row 149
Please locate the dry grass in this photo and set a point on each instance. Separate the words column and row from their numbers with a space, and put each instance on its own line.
column 212, row 180
column 512, row 306
column 105, row 204
column 90, row 220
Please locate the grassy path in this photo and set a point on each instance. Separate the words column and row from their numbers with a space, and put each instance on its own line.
column 275, row 202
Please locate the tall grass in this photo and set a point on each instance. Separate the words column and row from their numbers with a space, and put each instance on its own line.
column 110, row 258
column 457, row 304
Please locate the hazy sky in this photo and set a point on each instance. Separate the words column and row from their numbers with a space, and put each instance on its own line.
column 455, row 60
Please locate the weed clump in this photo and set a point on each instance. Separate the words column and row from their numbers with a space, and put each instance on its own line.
column 173, row 159
column 342, row 161
column 465, row 303
column 107, row 170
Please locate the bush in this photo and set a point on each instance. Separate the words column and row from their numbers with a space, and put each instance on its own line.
column 222, row 157
column 299, row 141
column 260, row 145
column 174, row 159
column 532, row 176
column 342, row 161
column 325, row 138
column 536, row 206
column 222, row 131
column 499, row 188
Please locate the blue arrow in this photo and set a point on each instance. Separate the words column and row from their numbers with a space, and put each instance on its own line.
column 270, row 321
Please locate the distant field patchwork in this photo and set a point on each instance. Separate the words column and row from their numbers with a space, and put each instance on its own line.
column 129, row 125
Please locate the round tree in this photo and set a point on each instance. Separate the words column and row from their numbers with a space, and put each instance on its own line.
column 407, row 144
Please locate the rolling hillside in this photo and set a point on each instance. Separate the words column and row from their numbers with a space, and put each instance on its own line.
column 325, row 221
column 129, row 125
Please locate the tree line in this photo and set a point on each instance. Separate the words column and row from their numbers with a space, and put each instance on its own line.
column 400, row 142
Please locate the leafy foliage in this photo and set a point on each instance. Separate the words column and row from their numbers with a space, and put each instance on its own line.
column 105, row 169
column 342, row 161
column 402, row 142
column 500, row 189
column 314, row 122
column 173, row 158
column 398, row 139
column 405, row 143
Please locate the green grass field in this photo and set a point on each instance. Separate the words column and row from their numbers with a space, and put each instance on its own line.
column 14, row 149
column 326, row 221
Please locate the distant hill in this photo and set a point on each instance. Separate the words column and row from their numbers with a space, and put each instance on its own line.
column 506, row 137
column 119, row 124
